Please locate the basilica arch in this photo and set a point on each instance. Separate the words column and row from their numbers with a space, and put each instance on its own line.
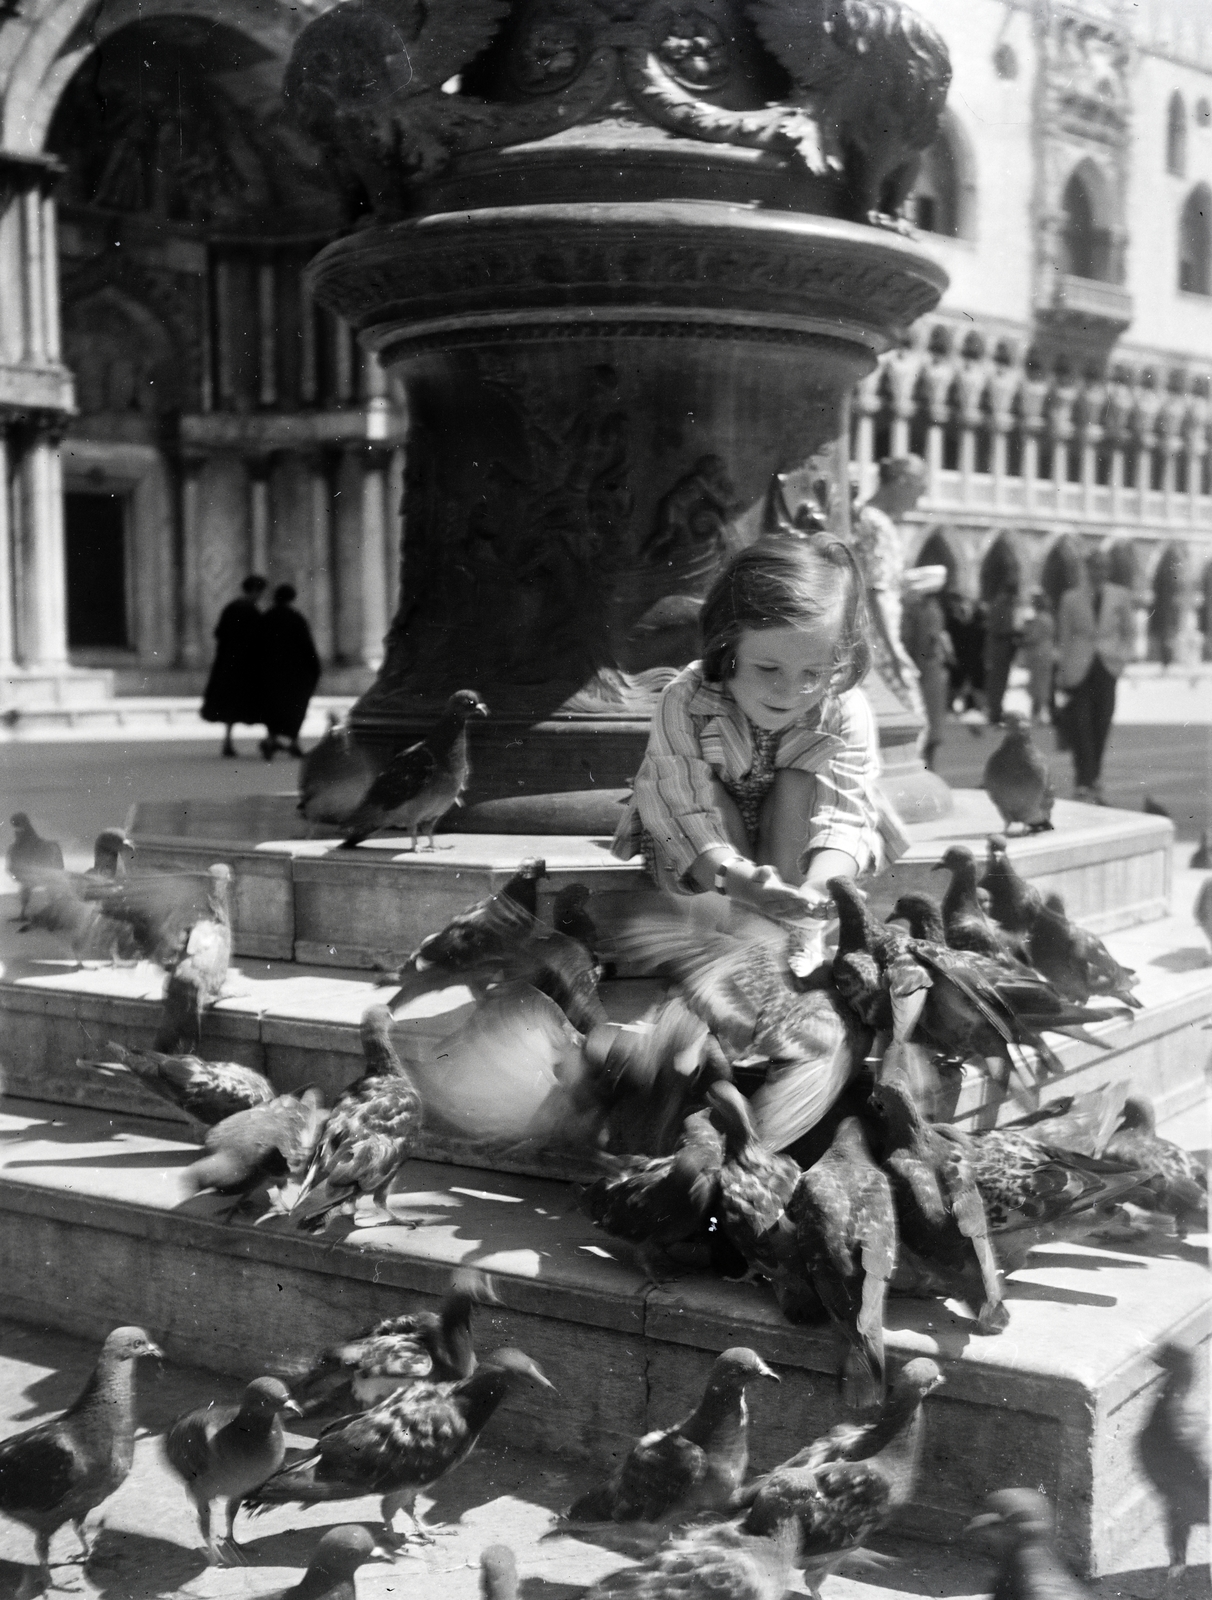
column 163, row 363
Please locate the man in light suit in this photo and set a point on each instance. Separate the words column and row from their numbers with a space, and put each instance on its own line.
column 1095, row 639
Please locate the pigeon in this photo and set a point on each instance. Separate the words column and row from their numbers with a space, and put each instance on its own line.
column 198, row 973
column 30, row 857
column 402, row 1445
column 719, row 1560
column 1154, row 808
column 1172, row 1449
column 635, row 1083
column 111, row 851
column 656, row 1202
column 1018, row 1529
column 754, row 1185
column 696, row 1466
column 763, row 994
column 1036, row 1193
column 54, row 906
column 942, row 1229
column 839, row 1232
column 845, row 1487
column 335, row 777
column 966, row 925
column 1201, row 861
column 498, row 1573
column 58, row 1471
column 971, row 1009
column 1034, row 1001
column 1177, row 1181
column 157, row 909
column 420, row 784
column 570, row 916
column 330, row 1572
column 274, row 1140
column 207, row 1091
column 370, row 1133
column 1082, row 1122
column 922, row 914
column 1017, row 778
column 499, row 940
column 1014, row 903
column 221, row 1452
column 1202, row 909
column 1078, row 964
column 418, row 1347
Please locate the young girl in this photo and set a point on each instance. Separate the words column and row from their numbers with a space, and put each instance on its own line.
column 759, row 777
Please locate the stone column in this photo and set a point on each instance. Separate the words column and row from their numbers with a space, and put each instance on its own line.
column 320, row 551
column 259, row 469
column 44, row 599
column 191, row 632
column 7, row 640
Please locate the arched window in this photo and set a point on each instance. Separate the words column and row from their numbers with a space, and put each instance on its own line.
column 1195, row 242
column 941, row 200
column 1085, row 240
column 1176, row 137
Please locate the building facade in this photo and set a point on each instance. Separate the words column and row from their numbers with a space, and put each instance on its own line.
column 1062, row 389
column 174, row 411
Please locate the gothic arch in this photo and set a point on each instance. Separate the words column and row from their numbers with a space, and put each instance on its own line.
column 1195, row 242
column 1087, row 223
column 62, row 34
column 943, row 198
column 1176, row 136
column 1001, row 566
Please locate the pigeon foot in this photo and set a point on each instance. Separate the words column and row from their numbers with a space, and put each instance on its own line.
column 229, row 1553
column 380, row 1217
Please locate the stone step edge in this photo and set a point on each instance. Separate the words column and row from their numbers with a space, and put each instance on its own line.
column 651, row 1314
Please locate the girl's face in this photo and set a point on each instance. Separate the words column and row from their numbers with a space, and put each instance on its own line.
column 783, row 672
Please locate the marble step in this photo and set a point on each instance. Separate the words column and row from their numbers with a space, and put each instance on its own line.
column 299, row 1025
column 1057, row 1400
column 309, row 900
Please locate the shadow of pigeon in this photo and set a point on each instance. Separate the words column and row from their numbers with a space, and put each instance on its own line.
column 1189, row 959
column 126, row 1565
column 1054, row 1294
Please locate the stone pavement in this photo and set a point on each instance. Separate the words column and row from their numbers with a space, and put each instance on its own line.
column 149, row 1546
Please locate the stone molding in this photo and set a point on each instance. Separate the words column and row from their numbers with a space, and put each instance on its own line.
column 489, row 266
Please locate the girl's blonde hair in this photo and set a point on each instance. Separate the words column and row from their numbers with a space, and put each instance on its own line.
column 788, row 582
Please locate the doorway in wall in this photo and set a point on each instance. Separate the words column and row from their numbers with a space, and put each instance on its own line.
column 95, row 529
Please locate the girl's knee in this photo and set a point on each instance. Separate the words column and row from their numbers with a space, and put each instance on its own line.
column 792, row 784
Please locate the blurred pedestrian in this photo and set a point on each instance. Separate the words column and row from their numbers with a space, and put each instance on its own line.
column 879, row 542
column 1095, row 639
column 1001, row 642
column 967, row 634
column 924, row 631
column 289, row 673
column 233, row 690
column 1038, row 654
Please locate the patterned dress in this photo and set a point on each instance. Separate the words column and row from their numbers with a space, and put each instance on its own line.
column 749, row 791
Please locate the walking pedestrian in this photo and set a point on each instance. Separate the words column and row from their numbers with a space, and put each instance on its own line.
column 1095, row 640
column 1001, row 642
column 290, row 671
column 233, row 687
column 1038, row 652
column 925, row 636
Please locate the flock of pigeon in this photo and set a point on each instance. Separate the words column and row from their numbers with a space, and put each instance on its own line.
column 413, row 1401
column 781, row 1114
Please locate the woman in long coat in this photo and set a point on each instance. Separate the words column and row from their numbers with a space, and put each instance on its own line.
column 290, row 672
column 233, row 690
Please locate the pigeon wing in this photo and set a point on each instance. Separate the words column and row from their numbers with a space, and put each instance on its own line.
column 660, row 1474
column 38, row 1469
column 187, row 1443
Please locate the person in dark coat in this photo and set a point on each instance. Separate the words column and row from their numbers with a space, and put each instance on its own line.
column 967, row 631
column 290, row 670
column 233, row 690
column 1001, row 643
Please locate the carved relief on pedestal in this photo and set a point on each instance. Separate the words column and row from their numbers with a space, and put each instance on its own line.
column 400, row 101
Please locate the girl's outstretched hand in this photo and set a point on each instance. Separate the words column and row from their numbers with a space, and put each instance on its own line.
column 766, row 892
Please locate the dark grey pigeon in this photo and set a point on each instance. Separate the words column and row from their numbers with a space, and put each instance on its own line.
column 1017, row 778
